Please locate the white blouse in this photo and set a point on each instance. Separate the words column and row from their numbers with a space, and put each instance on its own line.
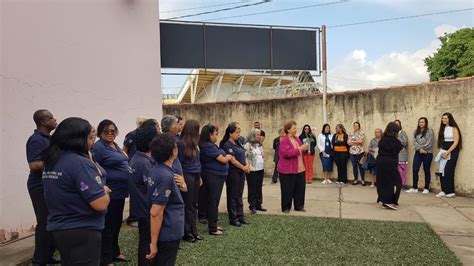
column 322, row 142
column 448, row 134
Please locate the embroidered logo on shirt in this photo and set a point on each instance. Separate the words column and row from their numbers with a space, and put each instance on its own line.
column 84, row 186
column 99, row 180
column 167, row 193
column 156, row 193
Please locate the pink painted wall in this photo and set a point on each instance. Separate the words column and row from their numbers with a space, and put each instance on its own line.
column 92, row 59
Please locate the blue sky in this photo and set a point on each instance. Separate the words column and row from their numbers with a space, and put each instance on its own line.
column 363, row 56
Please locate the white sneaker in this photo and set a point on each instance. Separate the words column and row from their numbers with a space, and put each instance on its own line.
column 451, row 195
column 412, row 190
column 425, row 191
column 372, row 185
column 329, row 181
column 324, row 181
column 441, row 194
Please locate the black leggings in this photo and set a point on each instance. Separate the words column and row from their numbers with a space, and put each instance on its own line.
column 78, row 246
column 447, row 180
column 234, row 189
column 110, row 234
column 341, row 159
column 214, row 185
column 143, row 240
column 191, row 198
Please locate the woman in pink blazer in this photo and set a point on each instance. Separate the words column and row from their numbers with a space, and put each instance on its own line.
column 291, row 169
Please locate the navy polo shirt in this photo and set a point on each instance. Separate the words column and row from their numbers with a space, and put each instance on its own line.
column 236, row 150
column 163, row 191
column 140, row 166
column 209, row 164
column 129, row 142
column 115, row 163
column 36, row 145
column 189, row 165
column 69, row 186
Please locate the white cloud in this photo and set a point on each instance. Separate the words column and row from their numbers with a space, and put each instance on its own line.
column 394, row 68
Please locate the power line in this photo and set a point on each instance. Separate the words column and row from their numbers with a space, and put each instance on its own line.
column 400, row 18
column 220, row 10
column 202, row 7
column 280, row 10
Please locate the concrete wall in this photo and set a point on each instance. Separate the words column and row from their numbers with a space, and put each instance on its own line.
column 92, row 59
column 372, row 108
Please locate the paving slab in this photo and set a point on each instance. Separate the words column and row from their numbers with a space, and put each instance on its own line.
column 17, row 252
column 374, row 211
column 462, row 246
column 326, row 193
column 421, row 199
column 467, row 211
column 460, row 201
column 446, row 220
column 359, row 194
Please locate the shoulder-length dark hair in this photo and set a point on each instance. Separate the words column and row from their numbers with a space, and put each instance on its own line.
column 104, row 124
column 391, row 130
column 420, row 130
column 206, row 132
column 451, row 123
column 231, row 128
column 324, row 128
column 71, row 134
column 303, row 134
column 190, row 138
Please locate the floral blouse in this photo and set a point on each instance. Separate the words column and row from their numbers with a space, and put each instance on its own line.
column 356, row 148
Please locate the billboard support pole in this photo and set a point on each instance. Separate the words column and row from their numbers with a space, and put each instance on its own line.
column 324, row 74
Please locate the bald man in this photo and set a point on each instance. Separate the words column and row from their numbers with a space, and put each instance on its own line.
column 36, row 146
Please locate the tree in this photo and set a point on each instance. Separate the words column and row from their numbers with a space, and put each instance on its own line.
column 455, row 57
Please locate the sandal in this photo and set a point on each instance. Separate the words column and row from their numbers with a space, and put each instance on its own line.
column 216, row 233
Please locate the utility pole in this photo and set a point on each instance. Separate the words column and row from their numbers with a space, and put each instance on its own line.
column 324, row 74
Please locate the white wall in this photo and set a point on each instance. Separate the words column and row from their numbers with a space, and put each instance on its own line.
column 92, row 59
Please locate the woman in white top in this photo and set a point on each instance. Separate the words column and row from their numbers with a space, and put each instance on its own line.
column 256, row 157
column 450, row 140
column 325, row 147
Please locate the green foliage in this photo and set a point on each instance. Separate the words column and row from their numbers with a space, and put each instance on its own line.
column 455, row 57
column 290, row 240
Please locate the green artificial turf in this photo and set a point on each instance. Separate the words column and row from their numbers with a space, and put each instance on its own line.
column 309, row 240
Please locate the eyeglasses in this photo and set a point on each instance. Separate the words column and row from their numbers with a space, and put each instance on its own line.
column 109, row 132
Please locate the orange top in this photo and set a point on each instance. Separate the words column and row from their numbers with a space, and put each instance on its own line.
column 340, row 137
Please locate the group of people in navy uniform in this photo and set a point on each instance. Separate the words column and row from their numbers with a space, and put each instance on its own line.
column 174, row 174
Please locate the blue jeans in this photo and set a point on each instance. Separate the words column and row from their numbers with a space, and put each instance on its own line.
column 424, row 159
column 356, row 167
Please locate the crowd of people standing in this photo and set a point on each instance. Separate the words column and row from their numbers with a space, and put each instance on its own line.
column 174, row 173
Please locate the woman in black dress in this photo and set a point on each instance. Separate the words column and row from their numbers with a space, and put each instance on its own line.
column 389, row 182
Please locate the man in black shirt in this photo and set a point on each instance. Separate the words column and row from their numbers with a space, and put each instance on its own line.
column 256, row 125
